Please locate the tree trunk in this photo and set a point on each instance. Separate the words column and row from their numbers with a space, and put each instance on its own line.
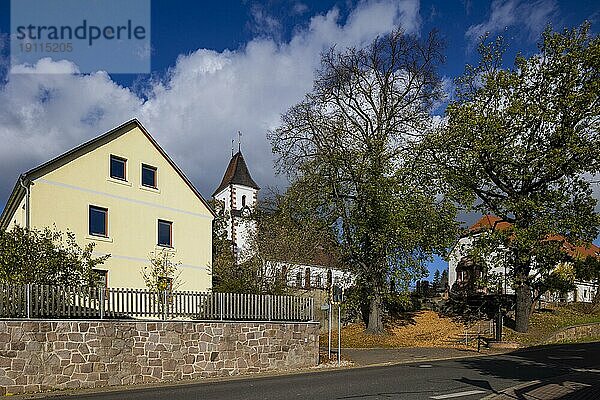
column 375, row 324
column 596, row 300
column 535, row 298
column 523, row 307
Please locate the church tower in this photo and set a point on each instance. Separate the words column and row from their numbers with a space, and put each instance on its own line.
column 238, row 192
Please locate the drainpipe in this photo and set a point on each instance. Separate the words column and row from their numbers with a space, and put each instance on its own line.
column 26, row 187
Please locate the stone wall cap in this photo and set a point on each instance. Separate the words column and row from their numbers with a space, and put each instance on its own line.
column 204, row 321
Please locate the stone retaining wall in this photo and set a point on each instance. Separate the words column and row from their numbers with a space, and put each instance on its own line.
column 44, row 355
column 575, row 332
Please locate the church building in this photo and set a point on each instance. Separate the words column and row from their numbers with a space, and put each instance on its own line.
column 238, row 193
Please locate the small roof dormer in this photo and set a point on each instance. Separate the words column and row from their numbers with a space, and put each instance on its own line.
column 237, row 174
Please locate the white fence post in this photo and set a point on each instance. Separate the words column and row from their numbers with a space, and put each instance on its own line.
column 270, row 307
column 221, row 301
column 164, row 304
column 28, row 294
column 101, row 303
column 35, row 301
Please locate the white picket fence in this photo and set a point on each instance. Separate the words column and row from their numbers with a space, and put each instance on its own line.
column 48, row 301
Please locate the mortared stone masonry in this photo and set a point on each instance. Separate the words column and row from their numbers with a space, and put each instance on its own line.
column 44, row 355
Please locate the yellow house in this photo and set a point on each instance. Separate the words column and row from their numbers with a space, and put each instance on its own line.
column 122, row 192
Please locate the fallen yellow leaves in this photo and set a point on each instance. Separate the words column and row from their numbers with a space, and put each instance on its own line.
column 421, row 329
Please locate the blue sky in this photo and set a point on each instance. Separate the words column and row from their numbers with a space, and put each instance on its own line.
column 220, row 67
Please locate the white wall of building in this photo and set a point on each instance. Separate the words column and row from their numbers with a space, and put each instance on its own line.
column 462, row 249
column 584, row 292
column 296, row 275
column 233, row 196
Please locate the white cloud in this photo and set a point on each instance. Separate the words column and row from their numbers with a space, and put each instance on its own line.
column 448, row 88
column 264, row 24
column 195, row 110
column 531, row 15
column 299, row 8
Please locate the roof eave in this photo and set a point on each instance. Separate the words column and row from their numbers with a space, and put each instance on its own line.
column 12, row 204
column 40, row 170
column 66, row 157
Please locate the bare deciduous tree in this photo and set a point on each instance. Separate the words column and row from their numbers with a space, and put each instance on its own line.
column 348, row 148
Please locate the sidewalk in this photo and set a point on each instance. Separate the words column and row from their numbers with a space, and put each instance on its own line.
column 379, row 356
column 575, row 386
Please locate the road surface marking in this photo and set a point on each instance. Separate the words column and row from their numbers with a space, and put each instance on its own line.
column 565, row 358
column 459, row 394
column 425, row 366
column 586, row 370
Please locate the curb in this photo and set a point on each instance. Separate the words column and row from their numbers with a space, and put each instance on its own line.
column 421, row 360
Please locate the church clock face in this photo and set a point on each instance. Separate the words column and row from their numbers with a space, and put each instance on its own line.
column 245, row 212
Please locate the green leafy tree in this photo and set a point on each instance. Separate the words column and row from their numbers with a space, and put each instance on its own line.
column 348, row 149
column 518, row 142
column 282, row 236
column 560, row 280
column 46, row 256
column 227, row 275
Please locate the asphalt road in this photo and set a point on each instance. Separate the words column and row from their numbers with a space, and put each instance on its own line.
column 468, row 378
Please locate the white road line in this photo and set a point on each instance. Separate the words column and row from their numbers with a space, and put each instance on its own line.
column 596, row 371
column 565, row 358
column 459, row 394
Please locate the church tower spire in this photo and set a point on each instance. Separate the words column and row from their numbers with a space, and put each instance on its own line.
column 239, row 193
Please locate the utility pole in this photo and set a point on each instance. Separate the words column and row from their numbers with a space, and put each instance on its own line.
column 339, row 334
column 329, row 332
column 337, row 296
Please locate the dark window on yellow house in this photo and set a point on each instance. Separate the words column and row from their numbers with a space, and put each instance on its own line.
column 118, row 167
column 98, row 221
column 148, row 176
column 165, row 233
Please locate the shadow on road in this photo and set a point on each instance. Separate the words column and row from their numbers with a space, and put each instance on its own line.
column 476, row 382
column 555, row 372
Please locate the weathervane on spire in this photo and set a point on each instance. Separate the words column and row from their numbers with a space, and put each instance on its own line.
column 239, row 141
